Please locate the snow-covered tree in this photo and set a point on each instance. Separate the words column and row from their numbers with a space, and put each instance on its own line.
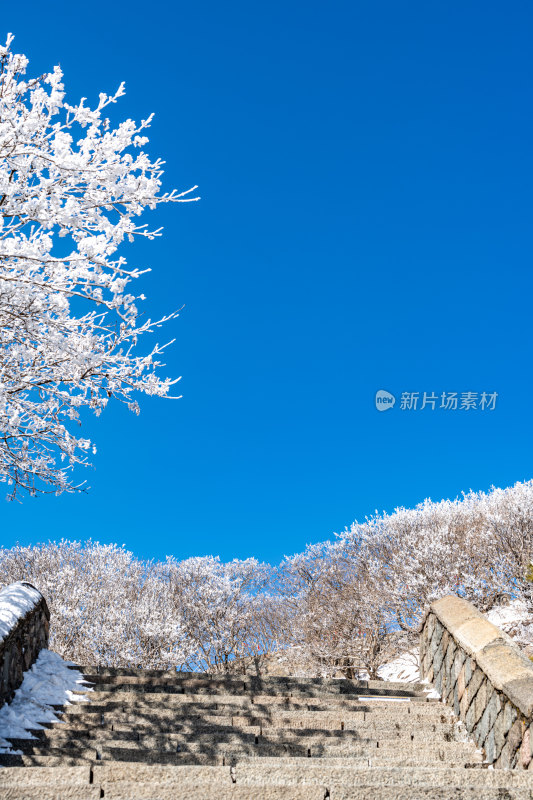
column 221, row 607
column 72, row 188
column 336, row 620
column 339, row 607
column 107, row 607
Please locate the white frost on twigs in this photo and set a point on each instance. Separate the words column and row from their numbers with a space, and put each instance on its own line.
column 15, row 602
column 72, row 189
column 49, row 682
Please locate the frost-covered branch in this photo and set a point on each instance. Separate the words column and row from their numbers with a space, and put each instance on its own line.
column 72, row 188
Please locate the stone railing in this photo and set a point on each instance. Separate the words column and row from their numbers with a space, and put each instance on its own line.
column 24, row 620
column 477, row 669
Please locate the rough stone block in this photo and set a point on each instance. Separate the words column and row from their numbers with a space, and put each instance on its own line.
column 453, row 611
column 476, row 634
column 504, row 759
column 474, row 683
column 435, row 639
column 448, row 667
column 440, row 652
column 511, row 672
column 489, row 748
column 460, row 684
column 455, row 701
column 525, row 750
column 510, row 715
column 477, row 705
column 493, row 707
column 450, row 656
column 499, row 733
column 429, row 626
column 439, row 680
column 514, row 740
column 458, row 663
column 480, row 700
column 464, row 704
column 520, row 692
column 469, row 668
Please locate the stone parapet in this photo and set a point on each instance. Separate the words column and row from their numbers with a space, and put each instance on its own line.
column 481, row 673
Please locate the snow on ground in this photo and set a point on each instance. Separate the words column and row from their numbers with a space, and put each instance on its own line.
column 15, row 602
column 406, row 668
column 49, row 682
column 515, row 611
column 403, row 668
column 515, row 619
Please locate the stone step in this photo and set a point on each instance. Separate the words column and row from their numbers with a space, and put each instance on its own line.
column 64, row 758
column 160, row 775
column 134, row 672
column 68, row 776
column 128, row 790
column 279, row 683
column 291, row 772
column 17, row 760
column 100, row 701
column 131, row 791
column 337, row 792
column 336, row 701
column 123, row 693
column 262, row 713
column 173, row 743
column 170, row 752
column 54, row 792
column 369, row 734
column 371, row 730
column 207, row 732
column 335, row 685
column 171, row 722
column 235, row 688
column 194, row 711
column 150, row 725
column 397, row 761
column 255, row 746
column 98, row 693
column 298, row 719
column 214, row 723
column 309, row 774
column 205, row 702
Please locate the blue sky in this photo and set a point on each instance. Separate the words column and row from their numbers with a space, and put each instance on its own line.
column 366, row 223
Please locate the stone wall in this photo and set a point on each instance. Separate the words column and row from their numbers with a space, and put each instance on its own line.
column 24, row 623
column 479, row 671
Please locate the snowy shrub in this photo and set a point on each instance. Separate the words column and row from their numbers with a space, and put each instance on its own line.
column 109, row 608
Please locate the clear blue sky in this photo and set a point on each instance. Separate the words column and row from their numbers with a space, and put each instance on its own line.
column 366, row 223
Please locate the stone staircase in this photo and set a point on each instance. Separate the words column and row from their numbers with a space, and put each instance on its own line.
column 151, row 735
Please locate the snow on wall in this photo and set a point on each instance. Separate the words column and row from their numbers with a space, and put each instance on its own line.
column 24, row 627
column 16, row 601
